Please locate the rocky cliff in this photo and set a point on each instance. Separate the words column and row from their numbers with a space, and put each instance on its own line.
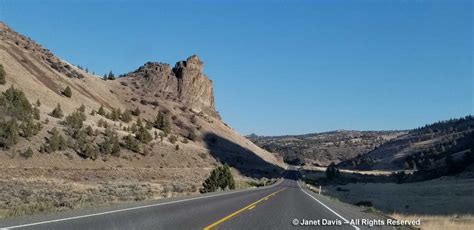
column 185, row 83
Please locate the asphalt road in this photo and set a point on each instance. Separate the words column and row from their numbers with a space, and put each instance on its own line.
column 272, row 207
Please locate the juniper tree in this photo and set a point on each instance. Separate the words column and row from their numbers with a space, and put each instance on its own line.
column 57, row 112
column 101, row 111
column 220, row 179
column 67, row 92
column 2, row 75
column 9, row 133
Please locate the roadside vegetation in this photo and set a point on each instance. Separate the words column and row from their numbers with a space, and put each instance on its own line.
column 220, row 179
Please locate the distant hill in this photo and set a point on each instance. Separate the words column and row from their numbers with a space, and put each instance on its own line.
column 435, row 146
column 323, row 148
column 437, row 149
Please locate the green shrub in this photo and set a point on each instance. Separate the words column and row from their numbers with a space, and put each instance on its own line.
column 162, row 136
column 126, row 116
column 162, row 122
column 111, row 144
column 143, row 135
column 84, row 146
column 136, row 112
column 111, row 76
column 101, row 111
column 331, row 171
column 36, row 113
column 89, row 131
column 57, row 112
column 131, row 143
column 67, row 92
column 9, row 133
column 2, row 75
column 102, row 123
column 82, row 108
column 29, row 128
column 220, row 179
column 74, row 123
column 173, row 139
column 27, row 153
column 148, row 125
column 55, row 142
column 14, row 103
column 192, row 134
column 114, row 115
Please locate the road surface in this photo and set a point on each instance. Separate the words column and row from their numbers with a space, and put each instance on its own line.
column 284, row 205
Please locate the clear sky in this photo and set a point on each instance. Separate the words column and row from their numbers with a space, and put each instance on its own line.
column 281, row 67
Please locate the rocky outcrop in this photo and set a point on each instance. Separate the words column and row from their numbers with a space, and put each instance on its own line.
column 185, row 83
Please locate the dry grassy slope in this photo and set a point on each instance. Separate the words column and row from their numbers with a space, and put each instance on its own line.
column 27, row 70
column 427, row 146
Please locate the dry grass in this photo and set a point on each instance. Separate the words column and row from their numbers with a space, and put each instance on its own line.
column 443, row 196
column 444, row 203
column 253, row 183
column 39, row 190
column 438, row 222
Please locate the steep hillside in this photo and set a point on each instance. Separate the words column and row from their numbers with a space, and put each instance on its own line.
column 323, row 148
column 155, row 128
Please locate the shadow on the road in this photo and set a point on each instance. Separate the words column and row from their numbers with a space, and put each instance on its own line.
column 247, row 162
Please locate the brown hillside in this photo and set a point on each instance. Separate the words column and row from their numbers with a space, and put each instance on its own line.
column 166, row 165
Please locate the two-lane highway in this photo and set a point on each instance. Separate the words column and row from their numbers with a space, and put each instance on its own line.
column 285, row 205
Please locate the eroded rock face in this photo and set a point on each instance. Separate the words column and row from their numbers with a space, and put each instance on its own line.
column 185, row 83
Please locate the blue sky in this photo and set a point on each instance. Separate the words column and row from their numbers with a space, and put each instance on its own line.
column 281, row 67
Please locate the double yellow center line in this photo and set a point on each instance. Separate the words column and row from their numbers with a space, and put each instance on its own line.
column 248, row 207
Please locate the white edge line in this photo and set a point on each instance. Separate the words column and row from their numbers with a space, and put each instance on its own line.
column 134, row 208
column 328, row 208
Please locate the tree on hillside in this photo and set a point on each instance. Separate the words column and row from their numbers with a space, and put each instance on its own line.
column 74, row 123
column 2, row 75
column 192, row 134
column 67, row 92
column 131, row 143
column 220, row 179
column 111, row 144
column 15, row 104
column 55, row 142
column 111, row 76
column 162, row 122
column 9, row 132
column 57, row 112
column 101, row 111
column 115, row 114
column 82, row 108
column 331, row 171
column 136, row 112
column 29, row 128
column 126, row 116
column 84, row 146
column 143, row 135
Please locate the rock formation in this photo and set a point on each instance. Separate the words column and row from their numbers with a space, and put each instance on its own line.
column 185, row 83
